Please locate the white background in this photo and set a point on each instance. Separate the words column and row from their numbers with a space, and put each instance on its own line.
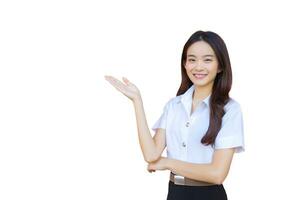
column 66, row 133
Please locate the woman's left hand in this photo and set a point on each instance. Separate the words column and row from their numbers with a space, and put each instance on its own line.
column 160, row 164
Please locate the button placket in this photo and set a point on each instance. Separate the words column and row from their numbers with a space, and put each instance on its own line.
column 185, row 137
column 186, row 133
column 184, row 150
column 187, row 124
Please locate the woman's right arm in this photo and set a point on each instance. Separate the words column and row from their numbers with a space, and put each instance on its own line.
column 152, row 148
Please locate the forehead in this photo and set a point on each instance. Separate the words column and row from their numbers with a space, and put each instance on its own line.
column 200, row 48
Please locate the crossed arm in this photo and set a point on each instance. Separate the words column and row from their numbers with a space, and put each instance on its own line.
column 214, row 172
column 152, row 148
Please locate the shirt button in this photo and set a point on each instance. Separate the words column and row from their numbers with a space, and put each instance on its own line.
column 183, row 144
column 187, row 124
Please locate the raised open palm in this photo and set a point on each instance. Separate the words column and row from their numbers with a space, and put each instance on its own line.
column 128, row 89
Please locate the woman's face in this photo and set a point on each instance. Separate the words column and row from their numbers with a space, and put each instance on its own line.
column 201, row 64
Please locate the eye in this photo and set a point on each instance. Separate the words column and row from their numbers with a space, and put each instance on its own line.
column 191, row 60
column 207, row 60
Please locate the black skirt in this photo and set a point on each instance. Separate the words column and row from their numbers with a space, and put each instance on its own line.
column 184, row 192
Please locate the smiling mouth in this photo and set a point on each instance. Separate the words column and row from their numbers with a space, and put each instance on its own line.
column 199, row 76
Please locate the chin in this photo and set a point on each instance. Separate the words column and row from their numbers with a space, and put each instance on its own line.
column 201, row 83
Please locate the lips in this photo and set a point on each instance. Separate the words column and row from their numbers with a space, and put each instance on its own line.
column 199, row 76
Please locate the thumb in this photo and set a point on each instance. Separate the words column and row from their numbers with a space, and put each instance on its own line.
column 126, row 80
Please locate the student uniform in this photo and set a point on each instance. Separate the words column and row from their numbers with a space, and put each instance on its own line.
column 184, row 131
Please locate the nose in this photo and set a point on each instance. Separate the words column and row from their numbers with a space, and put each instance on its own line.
column 199, row 65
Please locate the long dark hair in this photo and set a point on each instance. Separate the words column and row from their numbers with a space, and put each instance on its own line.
column 222, row 83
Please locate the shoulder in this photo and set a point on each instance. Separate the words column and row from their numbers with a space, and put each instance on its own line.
column 174, row 100
column 232, row 104
column 232, row 109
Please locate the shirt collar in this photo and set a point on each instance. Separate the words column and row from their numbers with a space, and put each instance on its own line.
column 188, row 96
column 187, row 99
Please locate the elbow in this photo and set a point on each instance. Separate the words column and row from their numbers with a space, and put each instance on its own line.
column 150, row 159
column 218, row 178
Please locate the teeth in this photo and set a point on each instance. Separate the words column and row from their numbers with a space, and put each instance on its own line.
column 200, row 75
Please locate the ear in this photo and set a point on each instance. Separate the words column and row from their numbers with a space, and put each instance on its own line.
column 219, row 70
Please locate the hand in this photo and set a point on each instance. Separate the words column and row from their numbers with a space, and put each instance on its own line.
column 128, row 89
column 160, row 164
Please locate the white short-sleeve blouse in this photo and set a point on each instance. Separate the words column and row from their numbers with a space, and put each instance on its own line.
column 184, row 130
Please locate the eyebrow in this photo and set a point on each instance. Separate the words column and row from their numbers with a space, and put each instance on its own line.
column 208, row 55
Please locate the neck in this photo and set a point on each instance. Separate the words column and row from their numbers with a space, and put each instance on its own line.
column 201, row 93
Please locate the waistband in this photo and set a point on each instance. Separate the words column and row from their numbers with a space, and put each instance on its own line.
column 181, row 180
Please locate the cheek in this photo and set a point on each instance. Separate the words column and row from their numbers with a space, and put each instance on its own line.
column 188, row 66
column 213, row 68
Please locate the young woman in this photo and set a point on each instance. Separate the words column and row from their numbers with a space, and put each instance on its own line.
column 202, row 127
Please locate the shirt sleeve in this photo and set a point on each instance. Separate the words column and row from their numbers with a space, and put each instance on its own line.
column 231, row 134
column 162, row 121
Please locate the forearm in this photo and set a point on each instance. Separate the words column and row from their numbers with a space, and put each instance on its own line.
column 146, row 141
column 202, row 172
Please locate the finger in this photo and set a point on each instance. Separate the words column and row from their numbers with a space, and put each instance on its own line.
column 126, row 80
column 150, row 168
column 110, row 78
column 114, row 80
column 120, row 88
column 116, row 83
column 106, row 77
